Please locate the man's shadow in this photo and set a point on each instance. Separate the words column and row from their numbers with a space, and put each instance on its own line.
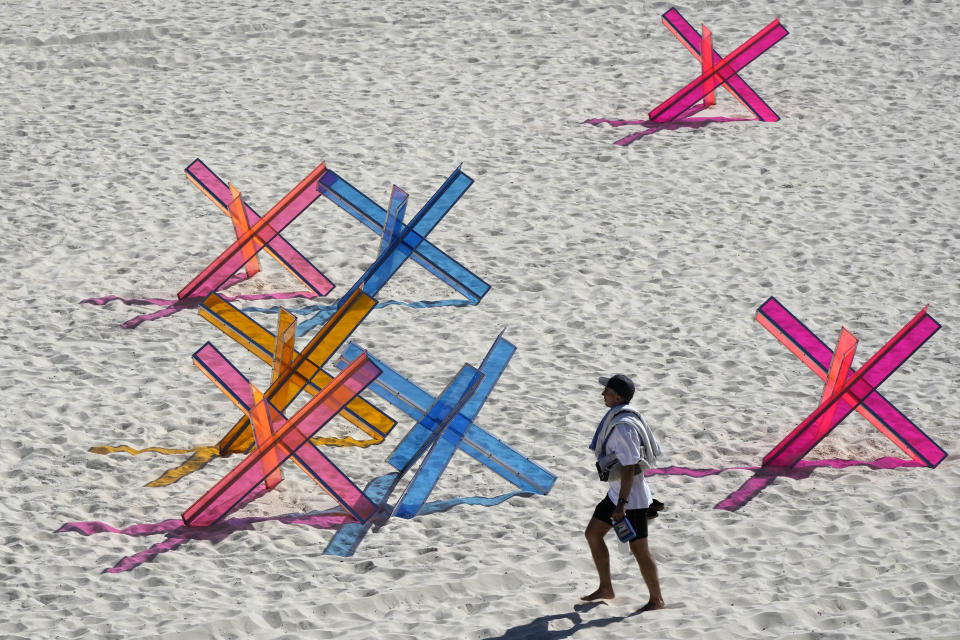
column 539, row 629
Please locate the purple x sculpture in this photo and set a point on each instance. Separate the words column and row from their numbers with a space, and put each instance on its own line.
column 846, row 389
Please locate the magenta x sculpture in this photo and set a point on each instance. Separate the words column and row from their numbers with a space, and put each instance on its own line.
column 282, row 439
column 738, row 88
column 846, row 389
column 716, row 71
column 262, row 232
column 229, row 201
column 254, row 233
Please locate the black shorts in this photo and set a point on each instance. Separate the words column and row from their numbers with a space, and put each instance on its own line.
column 637, row 517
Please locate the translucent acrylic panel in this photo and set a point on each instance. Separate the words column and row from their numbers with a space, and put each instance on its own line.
column 241, row 226
column 492, row 366
column 263, row 232
column 793, row 334
column 394, row 220
column 263, row 429
column 722, row 71
column 351, row 200
column 288, row 437
column 706, row 68
column 485, row 448
column 283, row 252
column 284, row 352
column 692, row 40
column 858, row 387
column 875, row 408
column 239, row 326
column 837, row 375
column 683, row 31
column 335, row 331
column 227, row 377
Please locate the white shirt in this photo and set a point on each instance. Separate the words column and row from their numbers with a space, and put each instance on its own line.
column 625, row 443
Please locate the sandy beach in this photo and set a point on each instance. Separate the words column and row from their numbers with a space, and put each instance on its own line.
column 649, row 259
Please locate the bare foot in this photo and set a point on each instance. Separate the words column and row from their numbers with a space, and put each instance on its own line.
column 653, row 605
column 599, row 594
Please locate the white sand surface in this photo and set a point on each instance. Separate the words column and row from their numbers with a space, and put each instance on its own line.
column 649, row 259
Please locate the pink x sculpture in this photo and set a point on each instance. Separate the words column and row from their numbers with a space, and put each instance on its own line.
column 228, row 199
column 253, row 234
column 863, row 394
column 846, row 389
column 716, row 70
column 735, row 85
column 262, row 233
column 279, row 438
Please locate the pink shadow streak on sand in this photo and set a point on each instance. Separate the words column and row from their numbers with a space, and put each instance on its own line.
column 684, row 121
column 764, row 476
column 171, row 307
column 799, row 471
column 177, row 533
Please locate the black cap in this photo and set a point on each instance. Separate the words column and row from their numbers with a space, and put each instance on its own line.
column 621, row 385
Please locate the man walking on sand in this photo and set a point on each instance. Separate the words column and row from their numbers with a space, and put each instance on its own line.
column 624, row 446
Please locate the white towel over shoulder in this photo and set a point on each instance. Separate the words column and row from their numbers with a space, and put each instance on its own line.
column 649, row 447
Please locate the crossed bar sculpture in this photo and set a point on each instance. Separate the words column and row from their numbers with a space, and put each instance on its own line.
column 846, row 389
column 715, row 71
column 271, row 438
column 267, row 436
column 446, row 423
